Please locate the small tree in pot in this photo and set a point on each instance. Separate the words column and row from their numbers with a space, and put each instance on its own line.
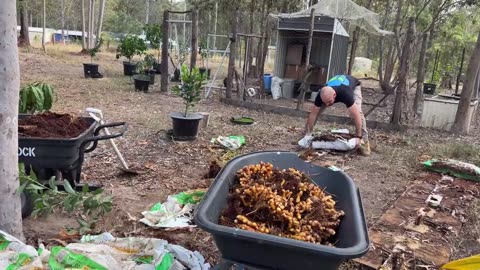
column 90, row 70
column 129, row 47
column 149, row 69
column 153, row 33
column 141, row 78
column 185, row 124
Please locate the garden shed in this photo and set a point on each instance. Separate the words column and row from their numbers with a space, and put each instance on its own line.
column 292, row 40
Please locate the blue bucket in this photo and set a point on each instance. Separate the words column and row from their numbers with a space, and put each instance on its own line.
column 267, row 81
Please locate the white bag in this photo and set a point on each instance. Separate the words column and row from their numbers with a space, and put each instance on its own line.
column 276, row 87
column 339, row 144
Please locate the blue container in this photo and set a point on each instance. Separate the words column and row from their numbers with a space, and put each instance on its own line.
column 267, row 81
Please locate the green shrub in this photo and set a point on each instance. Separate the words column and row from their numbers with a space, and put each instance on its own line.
column 130, row 46
column 190, row 88
column 36, row 97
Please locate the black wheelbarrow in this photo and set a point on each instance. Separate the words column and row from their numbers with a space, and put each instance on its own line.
column 264, row 251
column 50, row 157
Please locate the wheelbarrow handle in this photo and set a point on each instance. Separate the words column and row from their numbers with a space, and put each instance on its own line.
column 97, row 137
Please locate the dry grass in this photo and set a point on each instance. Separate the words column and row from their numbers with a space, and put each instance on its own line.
column 460, row 151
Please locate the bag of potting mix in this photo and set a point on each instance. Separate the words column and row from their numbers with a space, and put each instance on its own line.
column 454, row 167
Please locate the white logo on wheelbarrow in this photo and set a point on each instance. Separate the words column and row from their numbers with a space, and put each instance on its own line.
column 26, row 152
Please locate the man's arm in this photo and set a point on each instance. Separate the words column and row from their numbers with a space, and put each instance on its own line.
column 357, row 118
column 311, row 119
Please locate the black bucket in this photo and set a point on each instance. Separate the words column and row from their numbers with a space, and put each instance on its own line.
column 158, row 68
column 129, row 68
column 90, row 70
column 429, row 88
column 265, row 251
column 185, row 128
column 141, row 82
column 176, row 75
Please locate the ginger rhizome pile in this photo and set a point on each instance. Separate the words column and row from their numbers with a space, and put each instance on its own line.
column 281, row 202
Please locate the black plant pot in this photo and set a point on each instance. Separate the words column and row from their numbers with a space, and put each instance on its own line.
column 176, row 75
column 26, row 204
column 129, row 68
column 141, row 82
column 90, row 70
column 185, row 128
column 151, row 73
column 203, row 70
column 158, row 68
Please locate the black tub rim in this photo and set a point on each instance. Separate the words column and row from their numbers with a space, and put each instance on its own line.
column 354, row 251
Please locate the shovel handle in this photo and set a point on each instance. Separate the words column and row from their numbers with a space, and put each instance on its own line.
column 97, row 137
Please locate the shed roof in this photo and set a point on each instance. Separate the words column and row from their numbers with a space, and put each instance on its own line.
column 322, row 24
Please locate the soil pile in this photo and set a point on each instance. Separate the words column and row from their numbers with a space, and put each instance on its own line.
column 331, row 137
column 51, row 125
column 283, row 203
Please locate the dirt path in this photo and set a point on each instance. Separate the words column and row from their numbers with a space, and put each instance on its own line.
column 173, row 167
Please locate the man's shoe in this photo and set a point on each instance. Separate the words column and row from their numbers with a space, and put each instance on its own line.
column 364, row 149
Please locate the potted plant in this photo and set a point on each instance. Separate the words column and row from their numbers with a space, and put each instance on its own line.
column 36, row 97
column 149, row 70
column 153, row 33
column 202, row 50
column 185, row 124
column 129, row 47
column 90, row 70
column 141, row 79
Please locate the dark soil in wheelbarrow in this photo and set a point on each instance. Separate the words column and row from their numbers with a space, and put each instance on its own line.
column 51, row 125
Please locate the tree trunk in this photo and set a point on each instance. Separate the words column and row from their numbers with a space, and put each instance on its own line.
column 301, row 96
column 382, row 44
column 101, row 12
column 268, row 34
column 215, row 27
column 231, row 58
column 44, row 10
column 24, row 40
column 420, row 76
column 165, row 62
column 459, row 76
column 147, row 11
column 403, row 76
column 89, row 35
column 461, row 124
column 353, row 50
column 84, row 45
column 10, row 210
column 62, row 19
column 392, row 55
column 92, row 31
column 252, row 40
column 193, row 55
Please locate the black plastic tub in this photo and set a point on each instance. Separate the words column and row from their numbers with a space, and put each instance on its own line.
column 54, row 153
column 185, row 128
column 142, row 82
column 129, row 68
column 90, row 70
column 274, row 252
column 429, row 88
